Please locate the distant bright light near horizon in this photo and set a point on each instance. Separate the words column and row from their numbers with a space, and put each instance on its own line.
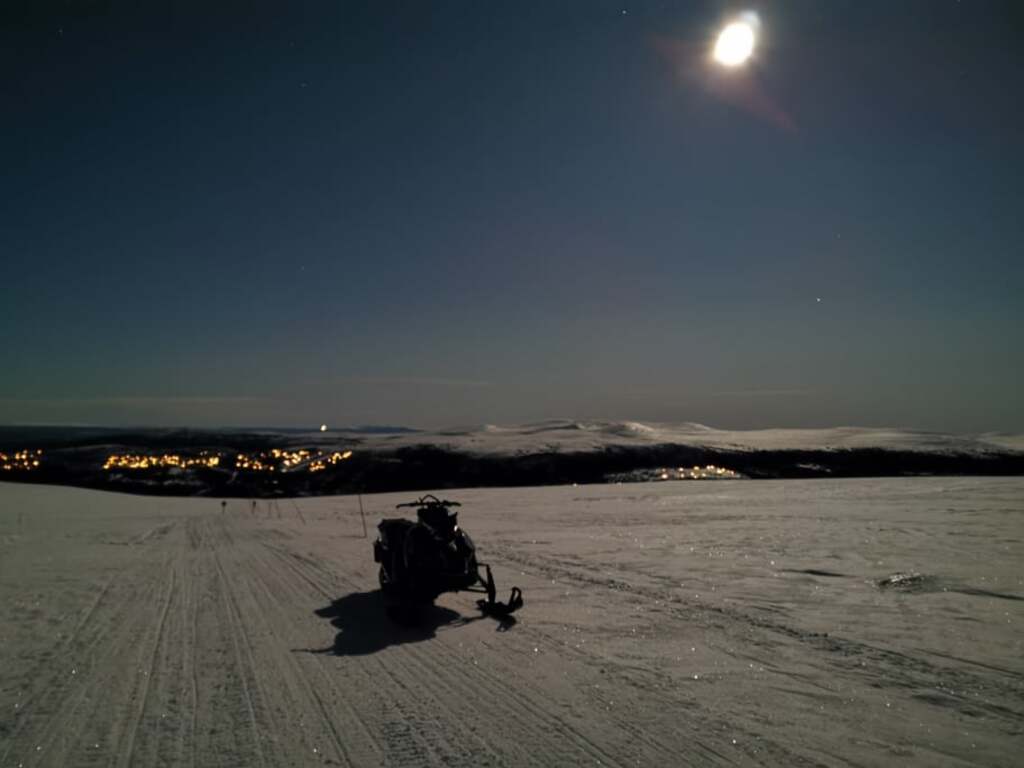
column 323, row 427
column 735, row 43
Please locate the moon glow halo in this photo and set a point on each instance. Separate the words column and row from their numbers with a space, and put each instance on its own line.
column 735, row 43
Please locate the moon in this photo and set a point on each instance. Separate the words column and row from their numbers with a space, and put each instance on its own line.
column 735, row 43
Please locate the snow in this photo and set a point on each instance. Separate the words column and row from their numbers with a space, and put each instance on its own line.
column 565, row 436
column 825, row 622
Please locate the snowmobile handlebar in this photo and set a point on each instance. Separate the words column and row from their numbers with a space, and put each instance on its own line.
column 430, row 500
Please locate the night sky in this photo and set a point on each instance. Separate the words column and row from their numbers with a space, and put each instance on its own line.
column 439, row 214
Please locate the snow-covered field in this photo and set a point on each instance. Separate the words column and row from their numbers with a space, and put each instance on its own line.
column 727, row 623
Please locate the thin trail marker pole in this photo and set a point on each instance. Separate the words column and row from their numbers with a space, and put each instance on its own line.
column 362, row 515
column 298, row 512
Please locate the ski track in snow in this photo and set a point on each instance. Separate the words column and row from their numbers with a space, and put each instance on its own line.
column 669, row 624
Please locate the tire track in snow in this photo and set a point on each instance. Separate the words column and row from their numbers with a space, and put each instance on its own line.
column 192, row 609
column 411, row 662
column 118, row 644
column 297, row 679
column 127, row 751
column 405, row 732
column 880, row 667
column 42, row 682
column 699, row 722
column 281, row 558
column 58, row 696
column 236, row 629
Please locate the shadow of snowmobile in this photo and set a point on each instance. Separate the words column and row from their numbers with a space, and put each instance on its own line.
column 364, row 629
column 421, row 560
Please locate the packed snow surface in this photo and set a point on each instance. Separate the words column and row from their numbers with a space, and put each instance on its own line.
column 783, row 623
column 564, row 435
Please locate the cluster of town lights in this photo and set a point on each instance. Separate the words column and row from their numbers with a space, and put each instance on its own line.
column 245, row 461
column 696, row 472
column 278, row 460
column 320, row 464
column 142, row 461
column 274, row 460
column 290, row 458
column 20, row 460
column 707, row 472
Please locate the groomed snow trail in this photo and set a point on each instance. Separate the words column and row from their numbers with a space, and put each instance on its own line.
column 740, row 624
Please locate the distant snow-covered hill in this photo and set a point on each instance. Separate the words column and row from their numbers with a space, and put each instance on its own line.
column 584, row 436
column 251, row 464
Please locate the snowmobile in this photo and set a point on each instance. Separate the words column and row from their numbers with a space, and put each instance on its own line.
column 421, row 560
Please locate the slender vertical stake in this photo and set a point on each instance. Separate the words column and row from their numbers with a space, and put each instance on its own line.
column 298, row 511
column 362, row 515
